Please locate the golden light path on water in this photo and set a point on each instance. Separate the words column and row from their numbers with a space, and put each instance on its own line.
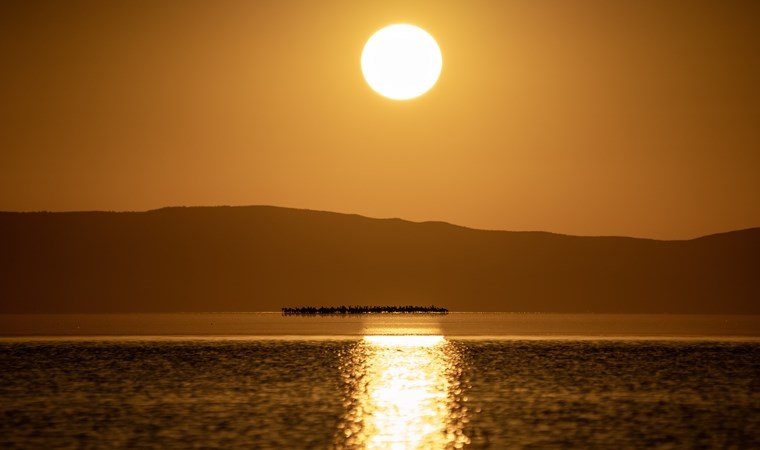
column 403, row 392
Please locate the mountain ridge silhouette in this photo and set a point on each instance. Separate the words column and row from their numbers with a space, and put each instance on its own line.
column 261, row 258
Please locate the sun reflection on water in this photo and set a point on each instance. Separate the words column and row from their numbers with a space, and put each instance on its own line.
column 403, row 392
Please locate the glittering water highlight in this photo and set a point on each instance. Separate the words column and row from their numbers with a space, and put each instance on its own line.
column 403, row 392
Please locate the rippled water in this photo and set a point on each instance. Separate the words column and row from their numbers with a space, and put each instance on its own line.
column 378, row 392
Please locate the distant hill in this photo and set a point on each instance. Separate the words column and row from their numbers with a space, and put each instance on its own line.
column 262, row 258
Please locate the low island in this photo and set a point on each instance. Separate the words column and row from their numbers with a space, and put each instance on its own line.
column 317, row 310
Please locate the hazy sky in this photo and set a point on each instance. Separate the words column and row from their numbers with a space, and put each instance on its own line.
column 630, row 117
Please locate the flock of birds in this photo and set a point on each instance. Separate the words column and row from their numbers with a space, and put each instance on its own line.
column 313, row 310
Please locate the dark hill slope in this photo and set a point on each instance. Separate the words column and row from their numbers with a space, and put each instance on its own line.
column 261, row 258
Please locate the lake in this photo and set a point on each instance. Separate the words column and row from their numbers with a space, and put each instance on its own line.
column 464, row 380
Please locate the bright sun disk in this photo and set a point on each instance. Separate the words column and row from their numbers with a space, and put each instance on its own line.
column 401, row 62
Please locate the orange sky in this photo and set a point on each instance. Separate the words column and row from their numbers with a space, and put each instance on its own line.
column 587, row 117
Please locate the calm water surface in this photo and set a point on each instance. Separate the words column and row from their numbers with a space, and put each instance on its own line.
column 509, row 325
column 377, row 391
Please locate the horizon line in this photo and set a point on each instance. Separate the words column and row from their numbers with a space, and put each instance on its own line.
column 89, row 211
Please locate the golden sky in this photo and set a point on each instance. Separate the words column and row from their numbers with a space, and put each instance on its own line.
column 588, row 117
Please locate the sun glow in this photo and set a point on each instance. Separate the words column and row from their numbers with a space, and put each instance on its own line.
column 404, row 394
column 401, row 62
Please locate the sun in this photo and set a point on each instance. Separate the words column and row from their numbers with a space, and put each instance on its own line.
column 401, row 61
